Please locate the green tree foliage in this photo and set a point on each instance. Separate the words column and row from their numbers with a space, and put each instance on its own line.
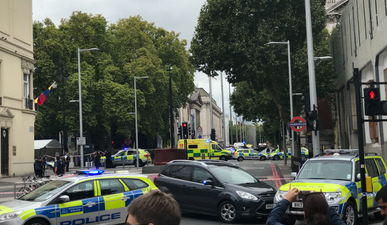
column 232, row 36
column 131, row 47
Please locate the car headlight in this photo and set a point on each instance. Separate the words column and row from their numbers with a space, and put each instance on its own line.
column 279, row 195
column 246, row 195
column 332, row 197
column 9, row 216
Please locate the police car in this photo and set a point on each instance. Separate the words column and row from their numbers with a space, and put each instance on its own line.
column 129, row 157
column 88, row 197
column 338, row 176
column 243, row 154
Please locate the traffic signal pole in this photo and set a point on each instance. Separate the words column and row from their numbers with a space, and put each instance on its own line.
column 360, row 123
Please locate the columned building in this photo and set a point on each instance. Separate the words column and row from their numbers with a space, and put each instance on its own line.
column 17, row 114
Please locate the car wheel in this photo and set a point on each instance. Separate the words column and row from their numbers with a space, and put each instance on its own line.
column 240, row 158
column 350, row 214
column 222, row 158
column 276, row 157
column 227, row 212
column 303, row 158
column 263, row 158
column 36, row 222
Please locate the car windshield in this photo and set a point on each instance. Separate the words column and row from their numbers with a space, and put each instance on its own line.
column 46, row 191
column 324, row 169
column 120, row 153
column 263, row 152
column 233, row 175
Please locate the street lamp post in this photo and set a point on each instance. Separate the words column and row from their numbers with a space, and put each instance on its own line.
column 135, row 112
column 290, row 92
column 80, row 99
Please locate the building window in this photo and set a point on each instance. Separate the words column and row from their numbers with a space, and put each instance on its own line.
column 371, row 27
column 365, row 20
column 385, row 6
column 27, row 102
column 350, row 34
column 354, row 30
column 376, row 13
column 358, row 21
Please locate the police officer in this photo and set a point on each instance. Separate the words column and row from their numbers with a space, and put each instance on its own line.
column 97, row 158
column 38, row 169
column 67, row 160
column 59, row 166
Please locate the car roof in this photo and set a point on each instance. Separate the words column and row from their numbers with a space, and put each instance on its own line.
column 204, row 162
column 80, row 177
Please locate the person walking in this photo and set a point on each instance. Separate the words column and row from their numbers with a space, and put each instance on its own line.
column 59, row 166
column 154, row 208
column 38, row 169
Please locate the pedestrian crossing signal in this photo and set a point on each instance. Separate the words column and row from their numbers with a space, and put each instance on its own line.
column 372, row 101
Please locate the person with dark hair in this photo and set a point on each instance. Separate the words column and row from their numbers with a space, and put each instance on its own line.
column 67, row 161
column 38, row 169
column 97, row 160
column 316, row 209
column 381, row 199
column 154, row 208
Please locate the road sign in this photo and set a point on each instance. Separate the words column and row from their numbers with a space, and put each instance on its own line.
column 81, row 140
column 199, row 129
column 200, row 136
column 298, row 126
column 127, row 141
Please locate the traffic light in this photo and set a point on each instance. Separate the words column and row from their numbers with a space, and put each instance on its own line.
column 189, row 131
column 372, row 101
column 213, row 134
column 185, row 130
column 179, row 133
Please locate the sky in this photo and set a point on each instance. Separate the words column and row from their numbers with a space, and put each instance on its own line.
column 178, row 15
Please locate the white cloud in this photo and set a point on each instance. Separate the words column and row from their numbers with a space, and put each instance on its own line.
column 177, row 15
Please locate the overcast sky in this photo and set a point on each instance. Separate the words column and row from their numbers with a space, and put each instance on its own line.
column 177, row 15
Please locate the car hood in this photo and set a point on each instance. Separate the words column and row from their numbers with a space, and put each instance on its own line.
column 254, row 188
column 315, row 185
column 17, row 205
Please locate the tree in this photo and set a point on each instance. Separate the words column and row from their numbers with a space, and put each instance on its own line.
column 132, row 47
column 232, row 36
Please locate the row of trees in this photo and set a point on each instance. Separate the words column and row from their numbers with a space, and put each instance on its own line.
column 131, row 47
column 232, row 36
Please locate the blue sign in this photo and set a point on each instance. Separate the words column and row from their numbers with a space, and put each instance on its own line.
column 200, row 136
column 297, row 124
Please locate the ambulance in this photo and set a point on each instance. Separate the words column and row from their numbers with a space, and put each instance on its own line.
column 204, row 149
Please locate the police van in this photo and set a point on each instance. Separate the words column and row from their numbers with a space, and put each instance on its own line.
column 87, row 197
column 204, row 148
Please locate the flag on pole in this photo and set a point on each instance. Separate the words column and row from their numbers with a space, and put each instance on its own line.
column 42, row 97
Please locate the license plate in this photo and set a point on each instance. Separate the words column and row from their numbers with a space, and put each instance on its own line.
column 297, row 205
column 269, row 206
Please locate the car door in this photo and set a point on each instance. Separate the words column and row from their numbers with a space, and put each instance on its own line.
column 83, row 207
column 382, row 172
column 246, row 154
column 202, row 197
column 135, row 188
column 373, row 172
column 130, row 156
column 113, row 209
column 178, row 184
column 254, row 154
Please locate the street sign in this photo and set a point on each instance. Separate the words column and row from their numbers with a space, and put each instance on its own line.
column 298, row 126
column 127, row 141
column 199, row 129
column 200, row 136
column 81, row 140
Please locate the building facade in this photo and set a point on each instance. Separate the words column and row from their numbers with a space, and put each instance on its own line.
column 17, row 114
column 334, row 9
column 197, row 114
column 360, row 42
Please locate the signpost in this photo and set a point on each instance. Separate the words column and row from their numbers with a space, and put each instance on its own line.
column 199, row 129
column 127, row 141
column 81, row 140
column 298, row 126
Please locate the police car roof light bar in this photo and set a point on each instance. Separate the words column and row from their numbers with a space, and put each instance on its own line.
column 89, row 172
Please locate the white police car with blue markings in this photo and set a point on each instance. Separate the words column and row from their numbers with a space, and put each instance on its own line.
column 87, row 197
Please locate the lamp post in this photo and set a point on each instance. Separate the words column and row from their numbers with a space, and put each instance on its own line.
column 80, row 98
column 135, row 112
column 290, row 92
column 323, row 58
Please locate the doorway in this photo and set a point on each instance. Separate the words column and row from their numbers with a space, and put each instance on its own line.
column 4, row 152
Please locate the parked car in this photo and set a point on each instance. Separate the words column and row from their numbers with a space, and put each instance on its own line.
column 216, row 188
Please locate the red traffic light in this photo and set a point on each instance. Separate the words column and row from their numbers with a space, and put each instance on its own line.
column 372, row 94
column 184, row 124
column 112, row 142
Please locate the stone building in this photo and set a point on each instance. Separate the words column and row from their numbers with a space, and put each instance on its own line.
column 17, row 114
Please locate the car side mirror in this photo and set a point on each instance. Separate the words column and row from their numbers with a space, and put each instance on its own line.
column 358, row 177
column 64, row 198
column 293, row 175
column 208, row 182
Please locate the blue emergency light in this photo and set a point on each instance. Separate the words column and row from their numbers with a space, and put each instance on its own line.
column 204, row 181
column 89, row 172
column 208, row 141
column 125, row 148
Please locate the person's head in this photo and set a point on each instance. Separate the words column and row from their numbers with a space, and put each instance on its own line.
column 57, row 158
column 316, row 209
column 381, row 198
column 39, row 158
column 67, row 153
column 154, row 208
